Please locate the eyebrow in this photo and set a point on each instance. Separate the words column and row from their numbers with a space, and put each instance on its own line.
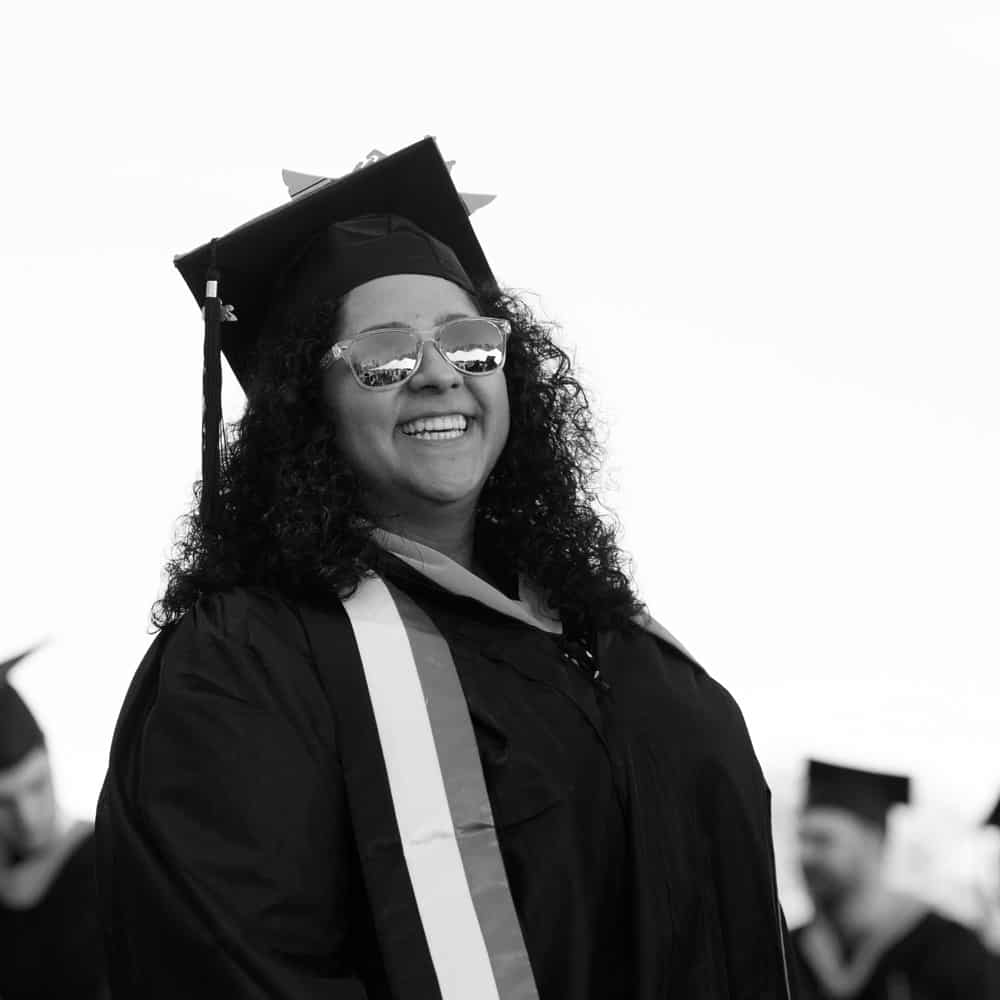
column 398, row 325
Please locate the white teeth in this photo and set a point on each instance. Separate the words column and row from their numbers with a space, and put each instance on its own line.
column 436, row 428
column 437, row 435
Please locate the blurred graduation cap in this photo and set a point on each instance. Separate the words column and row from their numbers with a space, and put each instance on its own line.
column 304, row 247
column 19, row 729
column 994, row 817
column 867, row 794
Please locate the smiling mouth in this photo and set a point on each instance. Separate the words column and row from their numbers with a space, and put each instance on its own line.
column 454, row 425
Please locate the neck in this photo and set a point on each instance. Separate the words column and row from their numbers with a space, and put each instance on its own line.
column 856, row 915
column 450, row 533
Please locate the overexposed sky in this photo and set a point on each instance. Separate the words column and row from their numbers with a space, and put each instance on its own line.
column 769, row 231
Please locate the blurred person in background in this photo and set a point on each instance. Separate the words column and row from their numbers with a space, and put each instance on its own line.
column 406, row 731
column 866, row 940
column 50, row 941
column 990, row 926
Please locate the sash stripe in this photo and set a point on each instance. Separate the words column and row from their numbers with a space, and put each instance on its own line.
column 440, row 800
column 406, row 957
column 468, row 801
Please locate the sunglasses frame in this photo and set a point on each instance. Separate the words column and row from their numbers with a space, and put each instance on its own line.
column 339, row 351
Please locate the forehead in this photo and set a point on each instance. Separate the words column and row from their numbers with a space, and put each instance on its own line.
column 411, row 299
column 831, row 823
column 25, row 772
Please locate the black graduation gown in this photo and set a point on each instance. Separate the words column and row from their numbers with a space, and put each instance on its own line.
column 634, row 826
column 53, row 950
column 937, row 959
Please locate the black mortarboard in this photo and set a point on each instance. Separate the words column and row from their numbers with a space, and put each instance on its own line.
column 19, row 729
column 994, row 817
column 867, row 794
column 415, row 221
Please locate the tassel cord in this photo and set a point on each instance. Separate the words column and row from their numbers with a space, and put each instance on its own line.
column 211, row 431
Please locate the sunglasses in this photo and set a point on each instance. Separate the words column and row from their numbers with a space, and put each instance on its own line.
column 388, row 357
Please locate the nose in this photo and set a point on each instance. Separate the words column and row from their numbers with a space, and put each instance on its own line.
column 434, row 372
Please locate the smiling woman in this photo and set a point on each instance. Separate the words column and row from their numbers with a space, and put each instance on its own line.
column 406, row 730
column 434, row 443
column 319, row 458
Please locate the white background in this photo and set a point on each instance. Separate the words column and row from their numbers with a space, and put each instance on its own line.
column 770, row 231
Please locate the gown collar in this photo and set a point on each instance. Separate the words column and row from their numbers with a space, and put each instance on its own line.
column 529, row 607
column 846, row 979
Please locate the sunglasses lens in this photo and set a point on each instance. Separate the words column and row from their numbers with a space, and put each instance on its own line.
column 474, row 346
column 383, row 358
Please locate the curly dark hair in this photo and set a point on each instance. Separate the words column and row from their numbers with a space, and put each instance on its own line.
column 290, row 515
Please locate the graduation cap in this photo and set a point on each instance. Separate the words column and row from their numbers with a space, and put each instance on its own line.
column 867, row 794
column 994, row 817
column 298, row 183
column 19, row 729
column 397, row 214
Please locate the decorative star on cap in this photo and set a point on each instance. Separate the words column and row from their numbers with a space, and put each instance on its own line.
column 299, row 184
column 7, row 665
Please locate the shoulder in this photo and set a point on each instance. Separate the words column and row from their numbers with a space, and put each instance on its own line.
column 253, row 620
column 245, row 615
column 233, row 686
column 671, row 703
column 950, row 958
column 243, row 649
column 939, row 934
column 649, row 665
column 231, row 640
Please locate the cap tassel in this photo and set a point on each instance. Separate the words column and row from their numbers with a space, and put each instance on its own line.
column 211, row 428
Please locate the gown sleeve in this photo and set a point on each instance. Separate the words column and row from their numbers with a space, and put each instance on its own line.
column 226, row 861
column 734, row 802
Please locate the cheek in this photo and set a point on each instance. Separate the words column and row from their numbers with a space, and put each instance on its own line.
column 361, row 419
column 495, row 400
column 843, row 861
column 338, row 394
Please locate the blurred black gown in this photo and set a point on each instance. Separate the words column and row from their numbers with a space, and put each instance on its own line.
column 53, row 950
column 936, row 959
column 634, row 825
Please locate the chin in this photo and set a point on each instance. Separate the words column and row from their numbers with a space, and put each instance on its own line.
column 449, row 498
column 825, row 892
column 445, row 492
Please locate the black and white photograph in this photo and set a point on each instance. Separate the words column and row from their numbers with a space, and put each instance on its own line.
column 501, row 501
